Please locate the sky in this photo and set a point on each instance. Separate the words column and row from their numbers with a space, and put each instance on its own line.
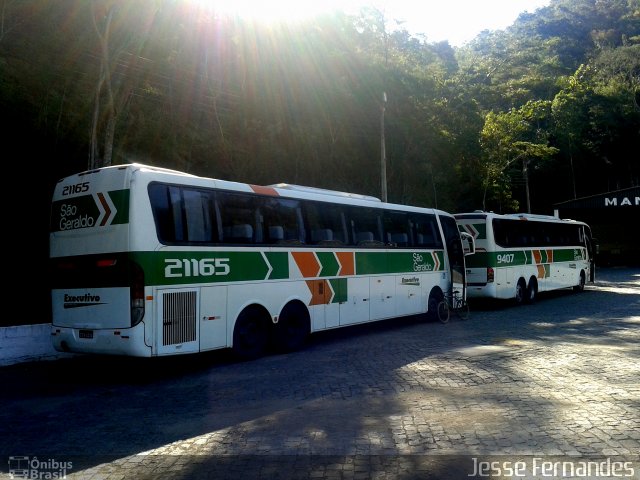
column 457, row 21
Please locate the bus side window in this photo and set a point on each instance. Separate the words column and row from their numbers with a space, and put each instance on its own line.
column 276, row 233
column 238, row 217
column 425, row 232
column 366, row 225
column 163, row 213
column 324, row 224
column 397, row 228
column 279, row 221
column 199, row 216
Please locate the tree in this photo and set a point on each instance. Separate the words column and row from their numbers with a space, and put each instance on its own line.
column 517, row 135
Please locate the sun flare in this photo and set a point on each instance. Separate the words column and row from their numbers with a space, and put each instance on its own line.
column 274, row 11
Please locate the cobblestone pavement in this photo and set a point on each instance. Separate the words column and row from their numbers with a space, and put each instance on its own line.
column 552, row 385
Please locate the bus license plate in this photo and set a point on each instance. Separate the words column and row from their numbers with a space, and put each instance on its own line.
column 86, row 334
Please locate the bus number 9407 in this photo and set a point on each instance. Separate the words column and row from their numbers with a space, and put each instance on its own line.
column 506, row 258
column 191, row 267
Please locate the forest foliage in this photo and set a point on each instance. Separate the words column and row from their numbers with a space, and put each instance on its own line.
column 552, row 103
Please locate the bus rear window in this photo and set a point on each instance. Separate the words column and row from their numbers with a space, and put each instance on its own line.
column 90, row 271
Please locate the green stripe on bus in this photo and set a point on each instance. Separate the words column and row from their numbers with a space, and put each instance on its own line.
column 373, row 263
column 74, row 213
column 339, row 286
column 87, row 211
column 120, row 199
column 185, row 267
column 179, row 268
column 510, row 258
column 330, row 265
column 279, row 263
column 568, row 255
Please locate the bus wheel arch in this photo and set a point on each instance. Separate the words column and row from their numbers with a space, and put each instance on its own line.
column 581, row 282
column 435, row 297
column 293, row 328
column 521, row 291
column 251, row 332
column 532, row 290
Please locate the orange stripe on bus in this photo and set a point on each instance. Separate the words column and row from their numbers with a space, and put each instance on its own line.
column 319, row 290
column 307, row 263
column 541, row 271
column 264, row 190
column 107, row 210
column 537, row 255
column 347, row 263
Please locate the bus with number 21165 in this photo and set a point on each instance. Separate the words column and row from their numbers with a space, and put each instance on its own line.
column 147, row 261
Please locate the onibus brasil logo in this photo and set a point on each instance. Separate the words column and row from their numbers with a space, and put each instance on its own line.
column 33, row 467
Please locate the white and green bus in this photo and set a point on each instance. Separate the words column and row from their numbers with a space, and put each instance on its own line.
column 147, row 261
column 519, row 255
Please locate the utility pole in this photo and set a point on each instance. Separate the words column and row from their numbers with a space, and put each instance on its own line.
column 525, row 172
column 383, row 155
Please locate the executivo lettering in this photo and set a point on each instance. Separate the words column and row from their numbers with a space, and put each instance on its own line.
column 86, row 300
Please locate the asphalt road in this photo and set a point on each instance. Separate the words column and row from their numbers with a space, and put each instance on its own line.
column 551, row 385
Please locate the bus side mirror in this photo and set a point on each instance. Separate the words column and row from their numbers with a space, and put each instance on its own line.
column 468, row 243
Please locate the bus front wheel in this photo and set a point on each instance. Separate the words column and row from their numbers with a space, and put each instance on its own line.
column 250, row 334
column 580, row 286
column 435, row 297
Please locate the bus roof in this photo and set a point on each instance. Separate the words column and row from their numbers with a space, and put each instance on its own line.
column 514, row 216
column 279, row 189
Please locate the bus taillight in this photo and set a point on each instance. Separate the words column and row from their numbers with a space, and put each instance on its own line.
column 137, row 294
column 106, row 262
column 490, row 275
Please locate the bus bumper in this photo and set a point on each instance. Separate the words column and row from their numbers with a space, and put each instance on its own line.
column 120, row 341
column 487, row 290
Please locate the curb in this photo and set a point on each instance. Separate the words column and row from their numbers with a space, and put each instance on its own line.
column 27, row 343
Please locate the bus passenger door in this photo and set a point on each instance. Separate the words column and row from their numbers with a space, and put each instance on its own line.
column 592, row 248
column 213, row 317
column 455, row 252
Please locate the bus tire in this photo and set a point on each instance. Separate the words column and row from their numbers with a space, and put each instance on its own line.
column 532, row 290
column 435, row 297
column 293, row 327
column 250, row 334
column 582, row 281
column 521, row 292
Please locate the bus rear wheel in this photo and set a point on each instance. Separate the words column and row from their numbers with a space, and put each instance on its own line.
column 532, row 290
column 521, row 292
column 250, row 334
column 292, row 329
